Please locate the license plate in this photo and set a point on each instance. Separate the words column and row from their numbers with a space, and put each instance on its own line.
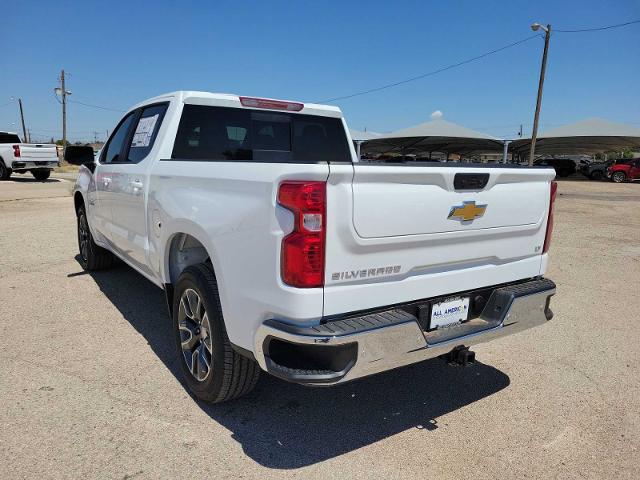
column 450, row 312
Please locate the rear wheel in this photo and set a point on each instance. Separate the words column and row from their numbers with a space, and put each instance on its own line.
column 596, row 175
column 41, row 175
column 563, row 172
column 92, row 257
column 5, row 172
column 213, row 371
column 618, row 177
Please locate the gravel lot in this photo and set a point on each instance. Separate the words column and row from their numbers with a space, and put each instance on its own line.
column 89, row 386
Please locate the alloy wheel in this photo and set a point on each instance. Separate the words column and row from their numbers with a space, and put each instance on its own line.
column 195, row 335
column 83, row 236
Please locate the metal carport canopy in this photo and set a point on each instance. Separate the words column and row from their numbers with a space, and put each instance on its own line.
column 358, row 136
column 434, row 136
column 593, row 135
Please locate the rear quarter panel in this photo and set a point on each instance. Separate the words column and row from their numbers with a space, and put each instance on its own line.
column 230, row 207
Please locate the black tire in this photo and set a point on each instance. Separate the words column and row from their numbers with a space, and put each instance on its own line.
column 229, row 374
column 563, row 172
column 596, row 175
column 41, row 175
column 618, row 177
column 92, row 256
column 5, row 172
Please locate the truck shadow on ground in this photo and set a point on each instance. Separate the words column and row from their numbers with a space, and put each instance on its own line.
column 286, row 426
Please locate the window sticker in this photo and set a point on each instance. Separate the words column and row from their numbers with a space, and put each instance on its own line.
column 144, row 131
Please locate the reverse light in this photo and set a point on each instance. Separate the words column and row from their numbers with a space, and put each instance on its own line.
column 271, row 104
column 552, row 200
column 303, row 250
column 16, row 151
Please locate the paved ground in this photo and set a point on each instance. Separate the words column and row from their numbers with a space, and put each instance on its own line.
column 89, row 387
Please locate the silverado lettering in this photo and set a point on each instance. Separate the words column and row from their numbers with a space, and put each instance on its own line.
column 367, row 273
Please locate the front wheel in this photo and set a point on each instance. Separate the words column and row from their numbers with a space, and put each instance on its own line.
column 41, row 175
column 213, row 371
column 618, row 177
column 92, row 256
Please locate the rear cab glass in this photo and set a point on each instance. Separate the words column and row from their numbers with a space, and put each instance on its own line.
column 212, row 133
column 9, row 138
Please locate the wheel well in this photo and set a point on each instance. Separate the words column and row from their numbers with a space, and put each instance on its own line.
column 78, row 201
column 184, row 251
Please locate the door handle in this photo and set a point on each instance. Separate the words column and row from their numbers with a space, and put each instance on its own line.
column 106, row 181
column 137, row 184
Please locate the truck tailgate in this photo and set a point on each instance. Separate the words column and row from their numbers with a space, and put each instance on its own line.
column 38, row 152
column 406, row 232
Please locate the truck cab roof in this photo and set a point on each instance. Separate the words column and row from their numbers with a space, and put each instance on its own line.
column 232, row 100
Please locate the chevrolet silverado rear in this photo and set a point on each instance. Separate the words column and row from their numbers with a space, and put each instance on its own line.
column 420, row 260
column 279, row 250
column 17, row 157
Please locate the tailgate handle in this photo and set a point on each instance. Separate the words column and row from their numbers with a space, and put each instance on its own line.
column 470, row 181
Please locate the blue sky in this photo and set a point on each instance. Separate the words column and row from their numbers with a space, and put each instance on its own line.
column 118, row 53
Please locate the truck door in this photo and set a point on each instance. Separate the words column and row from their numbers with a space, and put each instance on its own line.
column 104, row 178
column 129, row 222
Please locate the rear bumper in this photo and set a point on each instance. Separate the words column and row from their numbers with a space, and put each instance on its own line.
column 353, row 347
column 20, row 165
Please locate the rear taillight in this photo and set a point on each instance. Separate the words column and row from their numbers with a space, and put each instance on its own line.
column 302, row 256
column 552, row 199
column 16, row 151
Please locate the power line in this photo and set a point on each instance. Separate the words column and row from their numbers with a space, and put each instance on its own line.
column 57, row 130
column 434, row 72
column 464, row 62
column 97, row 106
column 597, row 29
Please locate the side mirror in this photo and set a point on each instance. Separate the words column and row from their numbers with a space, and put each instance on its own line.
column 79, row 155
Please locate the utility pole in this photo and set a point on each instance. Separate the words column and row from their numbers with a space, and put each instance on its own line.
column 543, row 68
column 63, row 92
column 520, row 132
column 24, row 129
column 64, row 111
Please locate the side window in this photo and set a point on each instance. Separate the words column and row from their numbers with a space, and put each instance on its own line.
column 117, row 140
column 213, row 133
column 145, row 132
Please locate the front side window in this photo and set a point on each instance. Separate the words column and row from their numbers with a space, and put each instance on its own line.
column 226, row 134
column 145, row 132
column 114, row 148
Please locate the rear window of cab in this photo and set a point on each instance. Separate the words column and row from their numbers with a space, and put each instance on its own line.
column 209, row 133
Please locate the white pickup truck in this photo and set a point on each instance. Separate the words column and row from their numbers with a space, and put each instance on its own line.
column 18, row 157
column 279, row 250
